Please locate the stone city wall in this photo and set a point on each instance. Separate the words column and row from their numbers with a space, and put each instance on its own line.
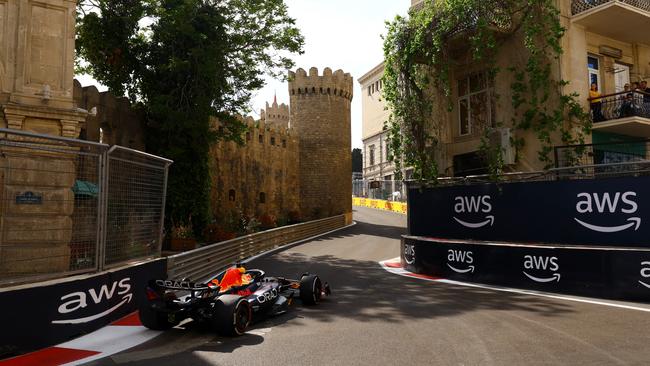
column 258, row 179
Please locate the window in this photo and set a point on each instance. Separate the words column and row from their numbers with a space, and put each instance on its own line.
column 248, row 136
column 231, row 195
column 272, row 141
column 593, row 66
column 369, row 92
column 371, row 152
column 373, row 88
column 387, row 152
column 284, row 143
column 262, row 197
column 475, row 106
column 261, row 139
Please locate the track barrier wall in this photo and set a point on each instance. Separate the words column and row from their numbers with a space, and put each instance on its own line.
column 39, row 316
column 586, row 237
column 609, row 212
column 614, row 273
column 45, row 314
column 399, row 207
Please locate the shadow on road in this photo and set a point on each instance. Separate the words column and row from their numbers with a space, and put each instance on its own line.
column 363, row 291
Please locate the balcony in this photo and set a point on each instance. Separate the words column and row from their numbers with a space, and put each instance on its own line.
column 625, row 113
column 622, row 20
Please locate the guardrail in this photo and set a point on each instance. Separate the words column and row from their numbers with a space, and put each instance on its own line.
column 201, row 264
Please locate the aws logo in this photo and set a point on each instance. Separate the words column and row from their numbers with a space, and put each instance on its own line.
column 76, row 301
column 645, row 274
column 458, row 258
column 542, row 263
column 606, row 203
column 473, row 205
column 409, row 253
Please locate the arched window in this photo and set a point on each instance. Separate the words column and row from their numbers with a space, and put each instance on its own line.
column 262, row 197
column 231, row 195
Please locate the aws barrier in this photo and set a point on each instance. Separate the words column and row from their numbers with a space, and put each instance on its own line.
column 610, row 212
column 588, row 237
column 38, row 316
column 612, row 273
column 399, row 207
column 44, row 314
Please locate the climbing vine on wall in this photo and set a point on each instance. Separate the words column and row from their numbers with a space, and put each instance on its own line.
column 422, row 50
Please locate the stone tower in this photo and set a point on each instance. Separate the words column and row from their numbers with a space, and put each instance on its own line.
column 276, row 115
column 320, row 114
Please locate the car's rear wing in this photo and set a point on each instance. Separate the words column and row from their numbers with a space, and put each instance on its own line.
column 178, row 285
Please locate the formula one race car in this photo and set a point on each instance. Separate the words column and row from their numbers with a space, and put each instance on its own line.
column 229, row 302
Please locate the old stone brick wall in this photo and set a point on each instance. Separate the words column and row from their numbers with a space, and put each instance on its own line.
column 120, row 123
column 320, row 113
column 266, row 165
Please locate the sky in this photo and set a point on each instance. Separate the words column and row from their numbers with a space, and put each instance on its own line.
column 339, row 34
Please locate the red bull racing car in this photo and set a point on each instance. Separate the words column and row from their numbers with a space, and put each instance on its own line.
column 229, row 302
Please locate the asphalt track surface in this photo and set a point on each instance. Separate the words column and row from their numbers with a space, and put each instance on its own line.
column 377, row 318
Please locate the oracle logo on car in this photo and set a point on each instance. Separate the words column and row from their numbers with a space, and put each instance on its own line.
column 462, row 257
column 645, row 274
column 621, row 203
column 542, row 263
column 473, row 205
column 78, row 300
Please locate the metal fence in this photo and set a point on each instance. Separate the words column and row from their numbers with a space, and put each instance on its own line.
column 71, row 206
column 602, row 154
column 202, row 263
column 389, row 190
column 579, row 6
column 620, row 105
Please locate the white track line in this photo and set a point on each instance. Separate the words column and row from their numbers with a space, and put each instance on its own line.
column 405, row 273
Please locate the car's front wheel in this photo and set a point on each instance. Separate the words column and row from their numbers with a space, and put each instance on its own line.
column 311, row 289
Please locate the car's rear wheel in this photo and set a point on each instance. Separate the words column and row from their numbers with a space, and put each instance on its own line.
column 232, row 315
column 311, row 289
column 156, row 320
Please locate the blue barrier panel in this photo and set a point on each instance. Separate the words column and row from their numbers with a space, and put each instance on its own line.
column 609, row 212
column 45, row 315
column 614, row 273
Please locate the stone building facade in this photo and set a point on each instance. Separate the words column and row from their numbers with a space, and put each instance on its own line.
column 602, row 44
column 36, row 73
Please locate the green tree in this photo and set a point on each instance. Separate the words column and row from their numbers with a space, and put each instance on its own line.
column 184, row 62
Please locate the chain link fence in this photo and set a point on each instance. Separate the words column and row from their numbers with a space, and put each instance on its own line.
column 71, row 206
column 389, row 190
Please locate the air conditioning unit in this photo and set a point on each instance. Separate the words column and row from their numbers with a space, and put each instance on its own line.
column 503, row 137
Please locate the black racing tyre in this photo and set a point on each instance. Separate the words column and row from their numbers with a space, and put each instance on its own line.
column 311, row 289
column 156, row 320
column 232, row 315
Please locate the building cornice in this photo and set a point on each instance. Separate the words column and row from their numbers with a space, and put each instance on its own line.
column 372, row 73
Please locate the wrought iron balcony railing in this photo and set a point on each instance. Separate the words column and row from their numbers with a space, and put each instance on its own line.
column 580, row 6
column 620, row 105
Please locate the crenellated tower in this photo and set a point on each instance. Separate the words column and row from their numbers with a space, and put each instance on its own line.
column 321, row 116
column 276, row 115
